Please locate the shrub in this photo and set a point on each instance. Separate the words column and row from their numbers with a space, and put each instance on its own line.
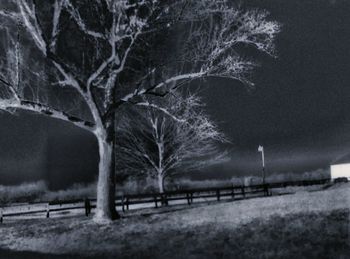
column 341, row 180
column 23, row 192
column 76, row 191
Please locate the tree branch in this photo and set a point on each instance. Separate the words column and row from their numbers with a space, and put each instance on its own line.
column 11, row 105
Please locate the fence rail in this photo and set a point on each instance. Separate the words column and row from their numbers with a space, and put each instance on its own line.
column 161, row 199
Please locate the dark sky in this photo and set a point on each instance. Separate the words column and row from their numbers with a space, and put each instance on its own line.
column 298, row 110
column 33, row 147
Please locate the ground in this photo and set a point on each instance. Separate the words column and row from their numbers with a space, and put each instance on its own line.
column 303, row 225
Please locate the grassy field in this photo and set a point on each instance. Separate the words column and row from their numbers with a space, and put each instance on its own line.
column 304, row 225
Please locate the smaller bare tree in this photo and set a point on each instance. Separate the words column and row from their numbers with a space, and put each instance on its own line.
column 163, row 145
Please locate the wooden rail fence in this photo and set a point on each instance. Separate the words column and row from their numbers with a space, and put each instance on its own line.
column 162, row 199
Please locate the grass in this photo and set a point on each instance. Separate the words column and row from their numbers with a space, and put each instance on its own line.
column 302, row 235
column 304, row 225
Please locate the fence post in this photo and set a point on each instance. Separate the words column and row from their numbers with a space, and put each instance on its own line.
column 155, row 201
column 233, row 193
column 266, row 190
column 218, row 195
column 164, row 200
column 188, row 198
column 48, row 210
column 87, row 207
column 191, row 197
column 123, row 209
column 127, row 203
column 1, row 216
column 243, row 191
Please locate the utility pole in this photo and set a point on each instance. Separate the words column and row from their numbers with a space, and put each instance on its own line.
column 261, row 149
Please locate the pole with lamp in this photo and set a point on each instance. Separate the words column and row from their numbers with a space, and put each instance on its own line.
column 261, row 149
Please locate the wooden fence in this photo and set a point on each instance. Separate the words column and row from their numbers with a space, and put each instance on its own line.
column 162, row 199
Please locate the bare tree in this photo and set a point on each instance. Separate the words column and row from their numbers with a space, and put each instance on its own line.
column 111, row 52
column 154, row 144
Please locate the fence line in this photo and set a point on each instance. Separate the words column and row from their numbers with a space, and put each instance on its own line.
column 163, row 199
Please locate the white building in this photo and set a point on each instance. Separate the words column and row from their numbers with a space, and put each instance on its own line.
column 341, row 168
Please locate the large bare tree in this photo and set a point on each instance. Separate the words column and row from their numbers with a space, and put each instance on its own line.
column 111, row 52
column 154, row 144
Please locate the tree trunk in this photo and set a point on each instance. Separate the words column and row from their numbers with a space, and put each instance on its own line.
column 160, row 183
column 164, row 201
column 105, row 206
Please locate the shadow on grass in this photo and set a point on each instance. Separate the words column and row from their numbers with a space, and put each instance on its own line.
column 146, row 212
column 9, row 254
column 304, row 235
column 32, row 255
